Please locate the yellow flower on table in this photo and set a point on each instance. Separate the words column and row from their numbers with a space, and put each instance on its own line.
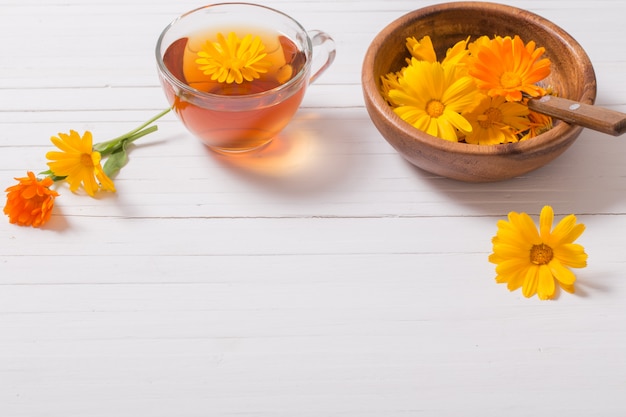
column 504, row 66
column 495, row 121
column 232, row 59
column 430, row 96
column 534, row 259
column 78, row 163
column 30, row 201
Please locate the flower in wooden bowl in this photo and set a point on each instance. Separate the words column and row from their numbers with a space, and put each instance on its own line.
column 450, row 25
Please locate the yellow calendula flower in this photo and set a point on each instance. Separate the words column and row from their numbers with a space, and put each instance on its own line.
column 422, row 50
column 505, row 66
column 457, row 56
column 430, row 96
column 78, row 163
column 231, row 59
column 495, row 120
column 390, row 82
column 538, row 260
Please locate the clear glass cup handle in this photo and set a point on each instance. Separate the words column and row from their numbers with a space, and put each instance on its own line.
column 326, row 45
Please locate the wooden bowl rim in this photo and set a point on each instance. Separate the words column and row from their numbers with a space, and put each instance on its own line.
column 561, row 132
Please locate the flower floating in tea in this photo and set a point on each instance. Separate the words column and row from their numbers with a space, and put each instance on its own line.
column 236, row 64
column 477, row 94
column 76, row 161
column 231, row 59
column 217, row 109
column 538, row 260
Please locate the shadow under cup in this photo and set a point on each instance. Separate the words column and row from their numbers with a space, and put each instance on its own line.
column 239, row 117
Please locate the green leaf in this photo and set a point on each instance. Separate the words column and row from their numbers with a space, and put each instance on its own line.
column 49, row 173
column 106, row 147
column 116, row 161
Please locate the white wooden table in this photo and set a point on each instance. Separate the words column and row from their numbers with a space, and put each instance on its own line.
column 326, row 278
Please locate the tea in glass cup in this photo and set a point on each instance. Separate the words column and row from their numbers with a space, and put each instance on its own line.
column 236, row 73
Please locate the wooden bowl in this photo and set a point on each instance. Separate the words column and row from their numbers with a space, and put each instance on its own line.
column 572, row 77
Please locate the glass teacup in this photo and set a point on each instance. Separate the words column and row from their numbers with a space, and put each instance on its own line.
column 236, row 73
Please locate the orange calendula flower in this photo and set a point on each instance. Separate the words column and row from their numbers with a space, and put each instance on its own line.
column 506, row 67
column 30, row 202
column 78, row 163
column 232, row 59
column 538, row 260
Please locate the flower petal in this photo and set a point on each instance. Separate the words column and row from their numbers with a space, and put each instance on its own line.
column 571, row 254
column 531, row 281
column 562, row 274
column 567, row 231
column 545, row 222
column 526, row 227
column 546, row 286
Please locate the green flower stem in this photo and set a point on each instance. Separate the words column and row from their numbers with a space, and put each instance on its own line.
column 114, row 145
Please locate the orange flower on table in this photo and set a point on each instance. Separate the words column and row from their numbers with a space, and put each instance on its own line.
column 504, row 66
column 78, row 163
column 30, row 202
column 538, row 260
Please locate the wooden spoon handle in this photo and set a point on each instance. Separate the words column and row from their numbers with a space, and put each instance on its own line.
column 593, row 117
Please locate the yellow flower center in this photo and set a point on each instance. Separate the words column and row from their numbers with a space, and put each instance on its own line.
column 510, row 80
column 491, row 116
column 435, row 108
column 541, row 254
column 86, row 160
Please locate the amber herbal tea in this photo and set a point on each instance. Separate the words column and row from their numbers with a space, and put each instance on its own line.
column 230, row 64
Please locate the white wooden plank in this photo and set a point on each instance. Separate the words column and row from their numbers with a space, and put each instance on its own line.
column 311, row 172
